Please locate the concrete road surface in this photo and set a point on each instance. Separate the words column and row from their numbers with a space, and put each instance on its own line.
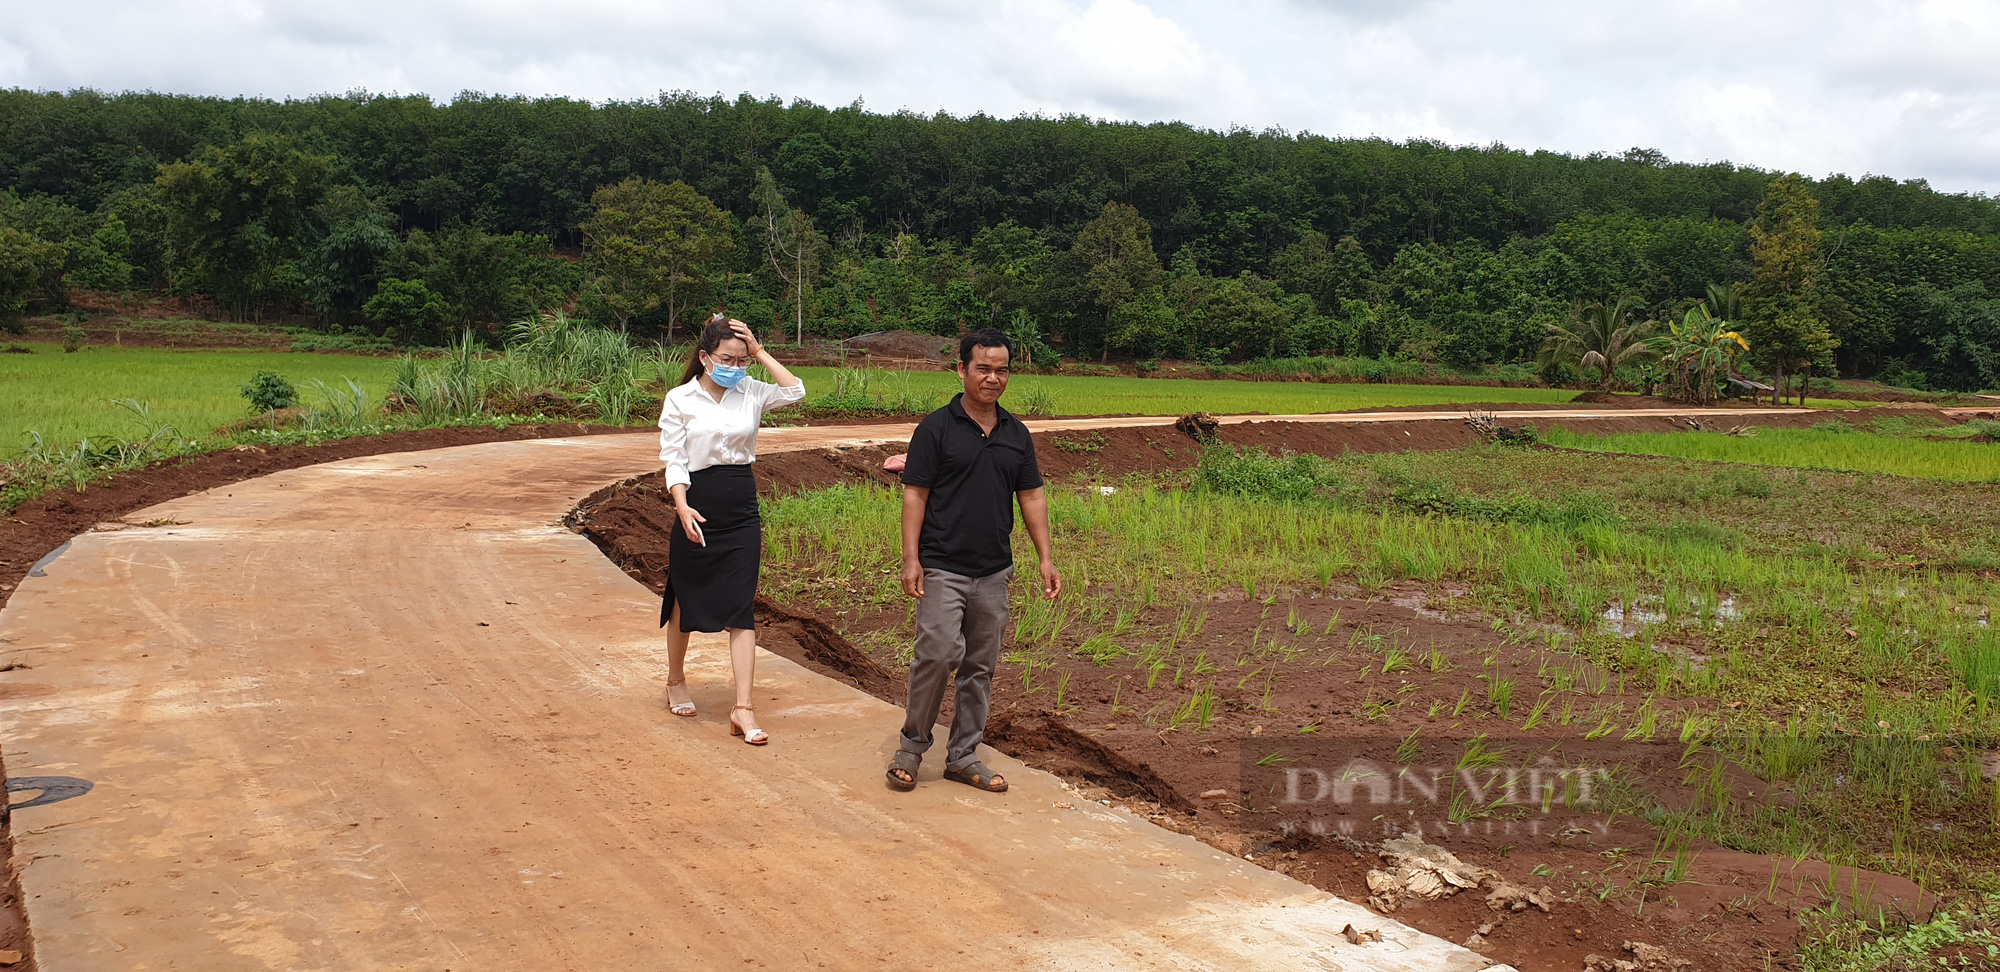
column 386, row 713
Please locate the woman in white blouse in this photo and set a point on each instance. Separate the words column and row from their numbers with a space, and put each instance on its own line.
column 708, row 439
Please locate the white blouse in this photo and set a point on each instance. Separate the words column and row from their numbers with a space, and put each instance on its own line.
column 697, row 432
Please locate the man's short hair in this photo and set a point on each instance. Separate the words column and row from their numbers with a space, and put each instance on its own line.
column 985, row 337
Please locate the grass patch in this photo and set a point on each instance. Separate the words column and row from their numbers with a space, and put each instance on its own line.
column 1894, row 450
column 69, row 397
column 1106, row 395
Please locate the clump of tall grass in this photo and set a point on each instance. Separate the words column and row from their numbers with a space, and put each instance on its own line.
column 867, row 391
column 1432, row 496
column 1292, row 477
column 337, row 408
column 44, row 463
column 550, row 362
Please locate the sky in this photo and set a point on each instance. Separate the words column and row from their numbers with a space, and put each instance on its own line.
column 1905, row 89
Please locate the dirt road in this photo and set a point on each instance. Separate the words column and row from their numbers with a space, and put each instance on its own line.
column 384, row 713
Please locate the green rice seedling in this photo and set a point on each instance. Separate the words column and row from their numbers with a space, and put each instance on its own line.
column 1978, row 662
column 1331, row 621
column 1253, row 673
column 1275, row 759
column 1567, row 714
column 1463, row 699
column 1463, row 809
column 1310, row 728
column 1478, row 754
column 1396, row 660
column 1409, row 750
column 1198, row 708
column 1438, row 661
column 1534, row 718
column 1499, row 694
column 1100, row 649
column 1696, row 727
column 1605, row 727
column 1648, row 721
column 1062, row 692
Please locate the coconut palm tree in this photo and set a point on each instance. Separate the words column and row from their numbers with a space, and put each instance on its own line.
column 1599, row 338
column 1697, row 349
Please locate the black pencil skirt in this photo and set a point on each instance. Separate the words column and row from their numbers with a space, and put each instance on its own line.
column 716, row 584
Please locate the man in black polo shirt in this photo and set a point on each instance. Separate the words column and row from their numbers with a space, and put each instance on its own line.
column 969, row 462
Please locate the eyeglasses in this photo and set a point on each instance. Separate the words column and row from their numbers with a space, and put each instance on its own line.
column 727, row 361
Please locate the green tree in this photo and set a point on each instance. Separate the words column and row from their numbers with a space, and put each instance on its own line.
column 1115, row 254
column 1783, row 320
column 408, row 312
column 1327, row 274
column 650, row 245
column 243, row 214
column 26, row 263
column 1600, row 337
column 484, row 279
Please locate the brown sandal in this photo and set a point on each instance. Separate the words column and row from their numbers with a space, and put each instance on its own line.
column 755, row 737
column 683, row 709
column 978, row 776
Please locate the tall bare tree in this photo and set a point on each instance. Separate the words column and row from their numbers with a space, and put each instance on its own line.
column 791, row 246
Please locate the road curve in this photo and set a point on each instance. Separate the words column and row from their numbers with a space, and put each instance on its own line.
column 385, row 713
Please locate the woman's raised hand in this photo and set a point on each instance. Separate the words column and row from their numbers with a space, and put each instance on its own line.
column 750, row 341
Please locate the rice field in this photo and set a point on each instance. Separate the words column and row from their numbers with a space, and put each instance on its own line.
column 1775, row 613
column 1826, row 447
column 1105, row 395
column 66, row 397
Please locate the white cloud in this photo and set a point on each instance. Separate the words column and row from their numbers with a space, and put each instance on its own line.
column 1901, row 87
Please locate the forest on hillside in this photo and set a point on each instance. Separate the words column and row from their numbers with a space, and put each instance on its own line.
column 414, row 219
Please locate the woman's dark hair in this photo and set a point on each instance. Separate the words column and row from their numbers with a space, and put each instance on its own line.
column 985, row 337
column 713, row 334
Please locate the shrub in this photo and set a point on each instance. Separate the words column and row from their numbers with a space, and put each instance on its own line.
column 268, row 391
column 1287, row 476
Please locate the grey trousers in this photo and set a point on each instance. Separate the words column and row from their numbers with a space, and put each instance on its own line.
column 960, row 621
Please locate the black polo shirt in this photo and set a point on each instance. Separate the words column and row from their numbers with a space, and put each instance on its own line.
column 972, row 478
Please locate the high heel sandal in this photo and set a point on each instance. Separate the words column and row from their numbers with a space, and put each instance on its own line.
column 755, row 737
column 683, row 709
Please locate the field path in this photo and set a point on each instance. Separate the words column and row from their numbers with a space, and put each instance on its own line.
column 385, row 713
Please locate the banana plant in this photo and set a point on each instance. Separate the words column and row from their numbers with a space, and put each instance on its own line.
column 1697, row 349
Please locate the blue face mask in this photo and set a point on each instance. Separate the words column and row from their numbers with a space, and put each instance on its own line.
column 726, row 376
